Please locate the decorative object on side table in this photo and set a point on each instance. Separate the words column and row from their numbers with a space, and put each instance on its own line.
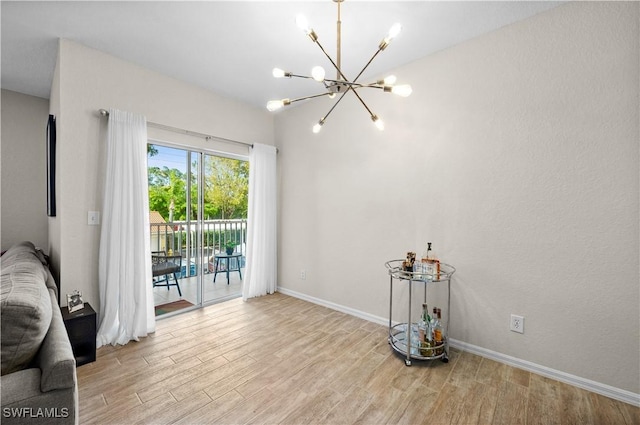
column 229, row 247
column 74, row 301
column 81, row 328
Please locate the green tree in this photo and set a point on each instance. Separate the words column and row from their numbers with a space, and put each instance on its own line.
column 225, row 194
column 166, row 185
column 226, row 188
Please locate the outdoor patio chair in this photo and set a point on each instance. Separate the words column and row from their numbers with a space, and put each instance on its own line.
column 163, row 266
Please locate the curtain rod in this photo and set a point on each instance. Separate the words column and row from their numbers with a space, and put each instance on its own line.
column 105, row 113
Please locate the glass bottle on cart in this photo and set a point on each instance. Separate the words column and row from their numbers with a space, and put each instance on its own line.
column 438, row 334
column 431, row 264
column 424, row 333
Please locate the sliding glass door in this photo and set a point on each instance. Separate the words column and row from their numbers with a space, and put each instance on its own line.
column 225, row 196
column 198, row 209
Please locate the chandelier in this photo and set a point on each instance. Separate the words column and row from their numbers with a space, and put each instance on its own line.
column 341, row 85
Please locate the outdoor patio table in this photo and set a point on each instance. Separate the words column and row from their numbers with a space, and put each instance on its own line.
column 226, row 258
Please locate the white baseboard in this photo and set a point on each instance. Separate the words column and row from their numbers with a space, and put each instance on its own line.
column 587, row 384
column 333, row 306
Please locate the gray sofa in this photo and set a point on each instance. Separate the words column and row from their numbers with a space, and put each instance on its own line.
column 38, row 382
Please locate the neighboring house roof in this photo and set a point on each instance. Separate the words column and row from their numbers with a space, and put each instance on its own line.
column 156, row 218
column 158, row 223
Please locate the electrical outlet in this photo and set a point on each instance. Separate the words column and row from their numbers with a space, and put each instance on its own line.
column 93, row 218
column 303, row 274
column 517, row 323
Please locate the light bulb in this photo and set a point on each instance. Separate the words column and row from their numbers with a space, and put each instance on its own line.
column 403, row 90
column 303, row 24
column 332, row 95
column 394, row 31
column 378, row 122
column 318, row 73
column 389, row 80
column 274, row 105
column 318, row 126
column 278, row 73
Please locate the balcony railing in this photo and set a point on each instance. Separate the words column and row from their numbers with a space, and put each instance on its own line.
column 182, row 237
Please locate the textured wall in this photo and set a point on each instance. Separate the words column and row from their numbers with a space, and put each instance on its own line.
column 517, row 156
column 24, row 169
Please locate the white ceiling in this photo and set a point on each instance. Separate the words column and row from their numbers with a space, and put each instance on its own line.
column 230, row 47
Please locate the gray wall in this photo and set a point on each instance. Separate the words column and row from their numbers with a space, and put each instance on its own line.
column 24, row 170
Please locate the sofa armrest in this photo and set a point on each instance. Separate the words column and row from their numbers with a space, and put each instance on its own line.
column 19, row 386
column 23, row 403
column 55, row 358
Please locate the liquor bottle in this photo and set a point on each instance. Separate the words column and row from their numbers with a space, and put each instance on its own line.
column 427, row 253
column 418, row 270
column 423, row 331
column 426, row 267
column 432, row 326
column 438, row 333
column 429, row 343
column 432, row 263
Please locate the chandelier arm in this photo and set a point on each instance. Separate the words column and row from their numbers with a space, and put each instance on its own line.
column 334, row 105
column 361, row 101
column 331, row 60
column 367, row 65
column 339, row 39
column 300, row 76
column 308, row 97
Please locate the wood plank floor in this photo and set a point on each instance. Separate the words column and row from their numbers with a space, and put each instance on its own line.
column 281, row 360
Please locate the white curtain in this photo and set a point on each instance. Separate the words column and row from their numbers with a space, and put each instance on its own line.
column 261, row 271
column 124, row 271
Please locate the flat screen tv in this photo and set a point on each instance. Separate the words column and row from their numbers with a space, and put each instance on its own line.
column 51, row 166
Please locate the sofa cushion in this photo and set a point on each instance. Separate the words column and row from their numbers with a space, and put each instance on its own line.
column 25, row 306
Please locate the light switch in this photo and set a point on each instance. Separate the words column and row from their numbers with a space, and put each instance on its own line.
column 93, row 218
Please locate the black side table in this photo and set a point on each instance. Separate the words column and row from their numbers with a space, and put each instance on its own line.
column 218, row 258
column 81, row 328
